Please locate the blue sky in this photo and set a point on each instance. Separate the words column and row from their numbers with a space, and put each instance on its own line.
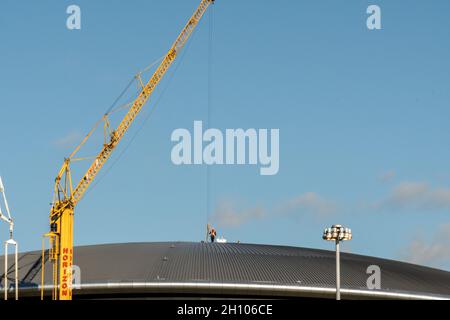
column 363, row 118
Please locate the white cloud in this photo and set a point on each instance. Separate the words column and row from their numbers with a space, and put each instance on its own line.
column 226, row 215
column 311, row 203
column 69, row 140
column 432, row 253
column 440, row 198
column 416, row 196
column 231, row 214
column 408, row 192
column 387, row 176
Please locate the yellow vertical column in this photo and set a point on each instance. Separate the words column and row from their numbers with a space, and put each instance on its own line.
column 66, row 255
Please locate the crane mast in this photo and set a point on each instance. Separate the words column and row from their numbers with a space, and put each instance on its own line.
column 66, row 197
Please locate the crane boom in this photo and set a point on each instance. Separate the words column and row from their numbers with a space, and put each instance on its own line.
column 117, row 135
column 66, row 197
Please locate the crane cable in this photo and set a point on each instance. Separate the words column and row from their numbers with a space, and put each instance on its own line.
column 149, row 67
column 157, row 101
column 209, row 107
column 112, row 109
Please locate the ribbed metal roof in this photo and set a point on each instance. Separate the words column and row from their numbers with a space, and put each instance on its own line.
column 257, row 266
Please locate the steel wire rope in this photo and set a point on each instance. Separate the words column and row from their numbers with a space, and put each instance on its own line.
column 158, row 100
column 209, row 108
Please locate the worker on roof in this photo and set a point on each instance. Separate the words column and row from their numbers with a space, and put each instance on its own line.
column 212, row 234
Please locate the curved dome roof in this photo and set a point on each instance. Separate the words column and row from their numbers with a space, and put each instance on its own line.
column 232, row 269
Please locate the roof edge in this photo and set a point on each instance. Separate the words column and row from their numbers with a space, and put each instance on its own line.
column 235, row 288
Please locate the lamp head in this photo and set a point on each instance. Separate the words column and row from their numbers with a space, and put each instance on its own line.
column 337, row 233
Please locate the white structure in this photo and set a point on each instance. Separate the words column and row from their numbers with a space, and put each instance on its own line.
column 337, row 233
column 9, row 242
column 221, row 240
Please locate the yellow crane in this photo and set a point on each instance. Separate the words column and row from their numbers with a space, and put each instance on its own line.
column 66, row 197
